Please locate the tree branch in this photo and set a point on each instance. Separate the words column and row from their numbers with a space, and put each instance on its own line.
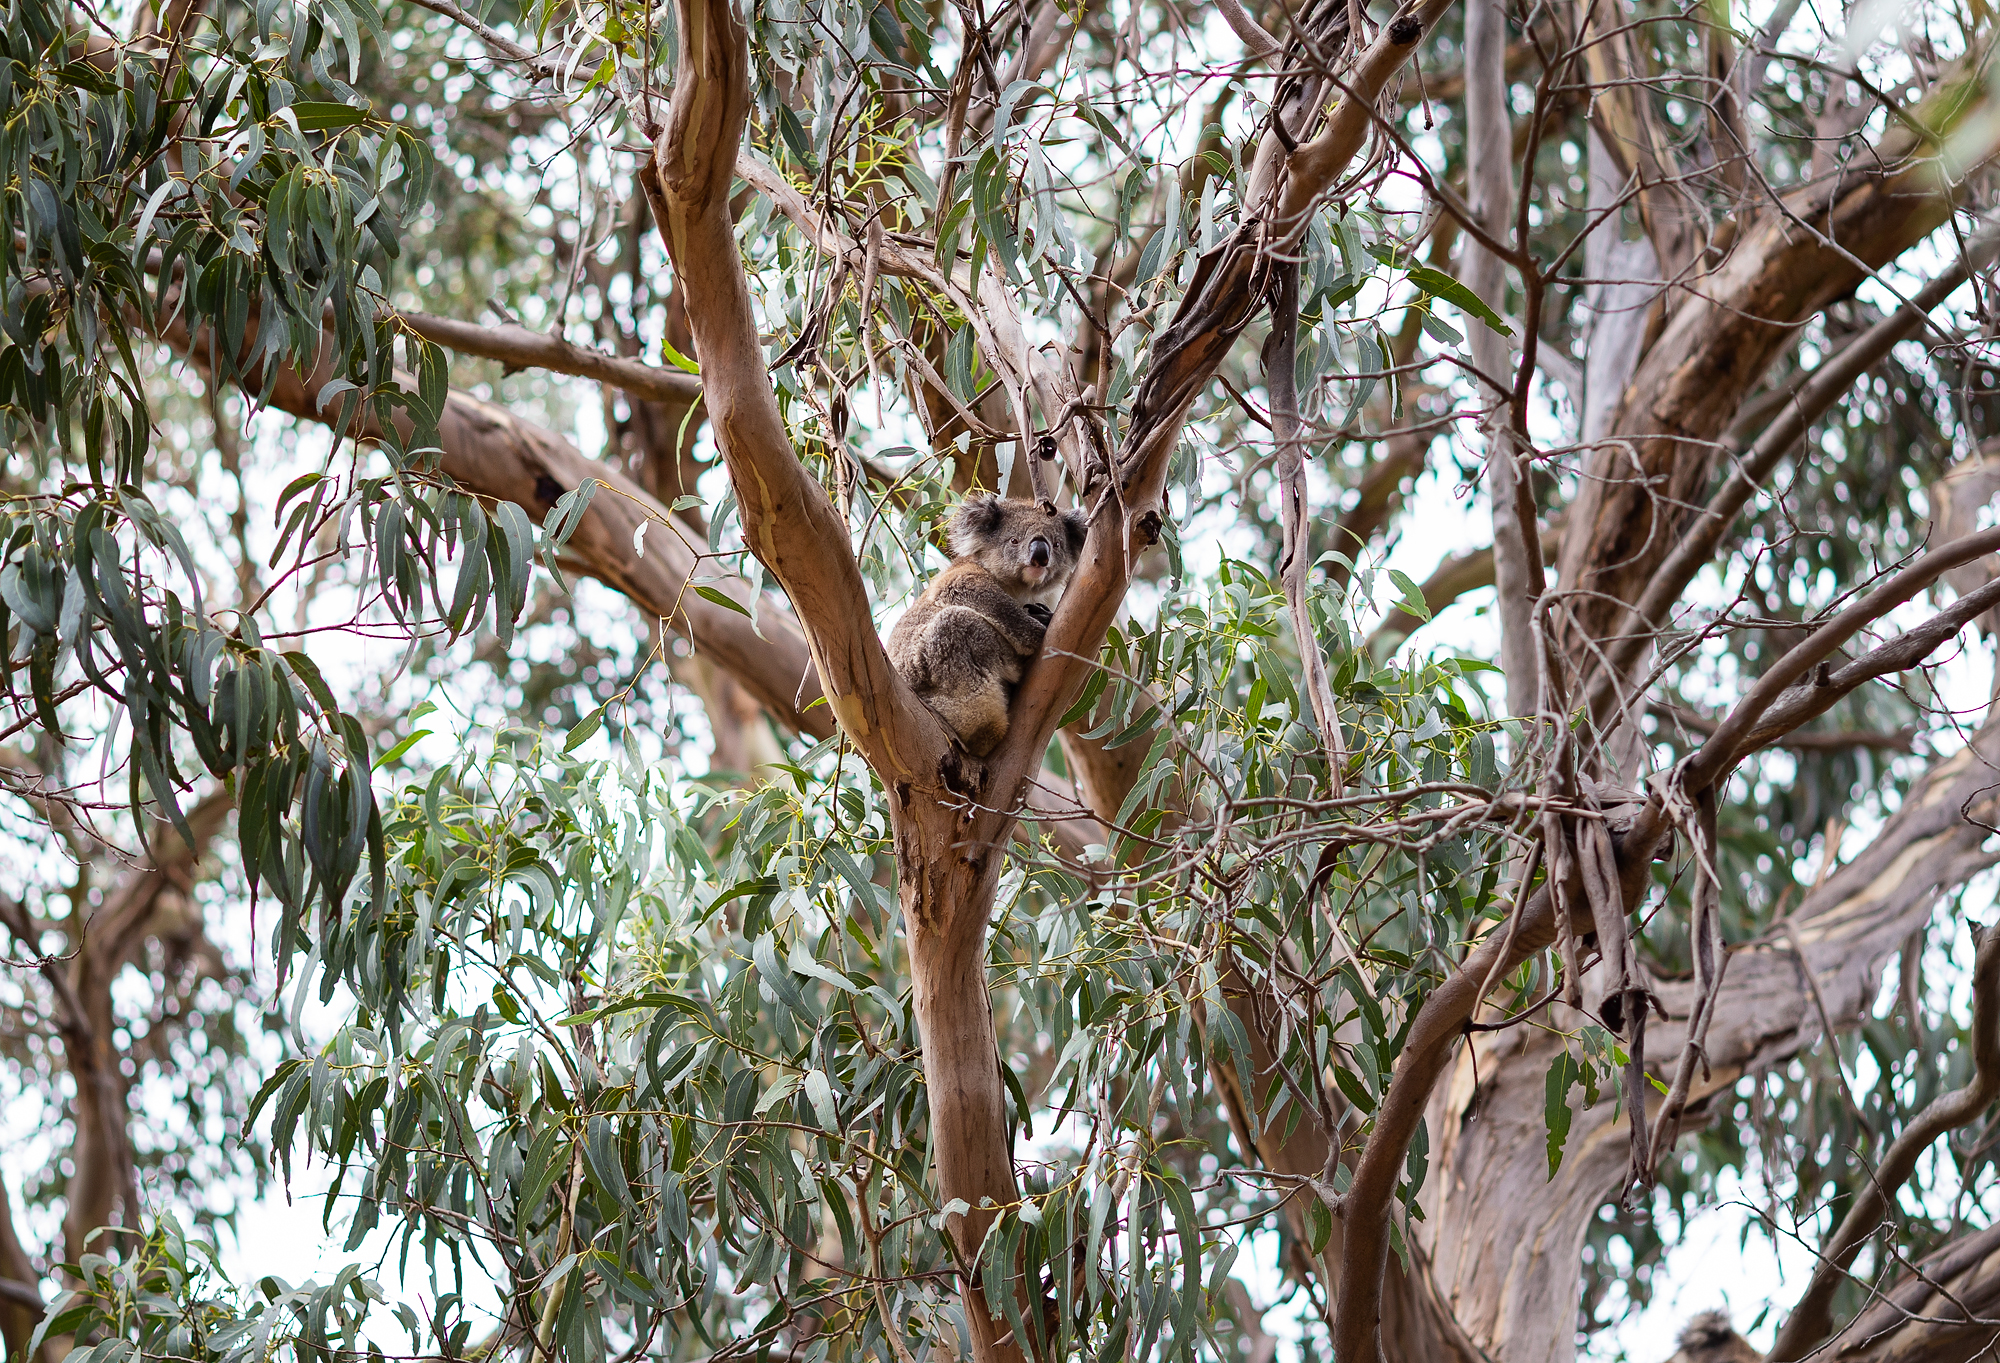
column 495, row 455
column 21, row 1304
column 1838, row 740
column 1294, row 566
column 788, row 520
column 1812, row 1319
column 1947, row 1310
column 1229, row 286
column 519, row 348
column 1791, row 260
column 1490, row 180
column 1740, row 733
column 1445, row 1012
column 1256, row 41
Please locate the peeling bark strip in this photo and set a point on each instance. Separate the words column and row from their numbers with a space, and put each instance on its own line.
column 1281, row 380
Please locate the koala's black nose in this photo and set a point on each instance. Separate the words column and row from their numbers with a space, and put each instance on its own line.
column 1038, row 553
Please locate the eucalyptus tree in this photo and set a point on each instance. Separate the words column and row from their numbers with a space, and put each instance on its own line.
column 699, row 998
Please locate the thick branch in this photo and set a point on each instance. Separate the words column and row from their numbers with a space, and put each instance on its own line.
column 1490, row 180
column 1256, row 41
column 1432, row 1040
column 788, row 520
column 1810, row 400
column 1947, row 1310
column 1445, row 1012
column 1837, row 740
column 493, row 454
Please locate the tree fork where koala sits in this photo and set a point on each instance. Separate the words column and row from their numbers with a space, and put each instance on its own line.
column 951, row 820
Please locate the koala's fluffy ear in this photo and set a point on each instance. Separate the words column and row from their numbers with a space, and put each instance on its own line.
column 1076, row 524
column 976, row 519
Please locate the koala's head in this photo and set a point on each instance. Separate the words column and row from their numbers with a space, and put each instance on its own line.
column 1030, row 550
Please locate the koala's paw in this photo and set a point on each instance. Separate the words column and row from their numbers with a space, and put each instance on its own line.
column 1041, row 613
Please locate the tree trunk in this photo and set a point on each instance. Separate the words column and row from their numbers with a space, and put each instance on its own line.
column 19, row 1290
column 946, row 890
column 1505, row 1238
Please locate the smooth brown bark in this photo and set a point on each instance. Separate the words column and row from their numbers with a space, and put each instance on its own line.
column 945, row 878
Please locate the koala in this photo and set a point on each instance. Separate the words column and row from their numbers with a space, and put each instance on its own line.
column 963, row 645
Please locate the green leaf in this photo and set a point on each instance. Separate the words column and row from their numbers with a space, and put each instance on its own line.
column 1564, row 1073
column 820, row 1094
column 503, row 1001
column 1356, row 1091
column 539, row 1171
column 1438, row 284
column 1319, row 1225
column 1413, row 595
column 1092, row 689
column 676, row 359
column 600, row 1149
column 327, row 114
column 271, row 1086
column 585, row 727
column 307, row 671
column 402, row 747
column 711, row 594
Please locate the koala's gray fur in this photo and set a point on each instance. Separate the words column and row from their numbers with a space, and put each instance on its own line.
column 962, row 647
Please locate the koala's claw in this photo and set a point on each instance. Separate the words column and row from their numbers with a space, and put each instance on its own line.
column 1042, row 614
